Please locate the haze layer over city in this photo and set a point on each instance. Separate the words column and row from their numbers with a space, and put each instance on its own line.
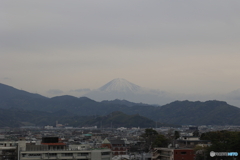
column 189, row 50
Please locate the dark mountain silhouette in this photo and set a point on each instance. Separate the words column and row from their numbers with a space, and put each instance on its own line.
column 124, row 102
column 178, row 112
column 119, row 119
column 8, row 92
column 18, row 117
column 11, row 97
column 197, row 113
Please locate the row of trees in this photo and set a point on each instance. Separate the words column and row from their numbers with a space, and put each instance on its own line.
column 221, row 141
column 153, row 139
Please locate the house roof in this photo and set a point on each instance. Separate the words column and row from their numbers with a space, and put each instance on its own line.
column 106, row 141
column 54, row 144
column 117, row 141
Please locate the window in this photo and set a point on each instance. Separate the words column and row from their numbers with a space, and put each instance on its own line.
column 183, row 152
column 83, row 154
column 34, row 155
column 67, row 154
column 51, row 154
column 105, row 153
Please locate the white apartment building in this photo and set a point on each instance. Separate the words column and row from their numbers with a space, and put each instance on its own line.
column 96, row 154
column 53, row 151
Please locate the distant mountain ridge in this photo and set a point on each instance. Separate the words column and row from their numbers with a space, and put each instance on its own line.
column 124, row 102
column 178, row 112
column 122, row 89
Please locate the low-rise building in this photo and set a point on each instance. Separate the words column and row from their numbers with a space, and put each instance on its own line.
column 191, row 141
column 8, row 150
column 173, row 154
column 95, row 154
column 117, row 146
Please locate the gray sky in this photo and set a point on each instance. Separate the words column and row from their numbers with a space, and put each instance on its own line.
column 177, row 46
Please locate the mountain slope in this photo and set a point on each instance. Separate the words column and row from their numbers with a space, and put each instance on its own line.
column 10, row 92
column 12, row 97
column 198, row 113
column 18, row 117
column 119, row 119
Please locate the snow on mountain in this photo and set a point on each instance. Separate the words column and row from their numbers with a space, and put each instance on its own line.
column 124, row 90
column 120, row 85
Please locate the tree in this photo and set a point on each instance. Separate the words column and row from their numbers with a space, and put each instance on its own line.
column 200, row 152
column 196, row 133
column 176, row 134
column 154, row 139
column 150, row 132
column 160, row 141
column 149, row 136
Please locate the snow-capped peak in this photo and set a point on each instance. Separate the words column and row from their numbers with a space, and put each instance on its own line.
column 120, row 85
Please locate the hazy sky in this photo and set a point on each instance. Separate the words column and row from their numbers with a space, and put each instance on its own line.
column 177, row 46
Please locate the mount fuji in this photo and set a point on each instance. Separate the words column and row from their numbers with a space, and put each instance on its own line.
column 124, row 90
column 120, row 85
